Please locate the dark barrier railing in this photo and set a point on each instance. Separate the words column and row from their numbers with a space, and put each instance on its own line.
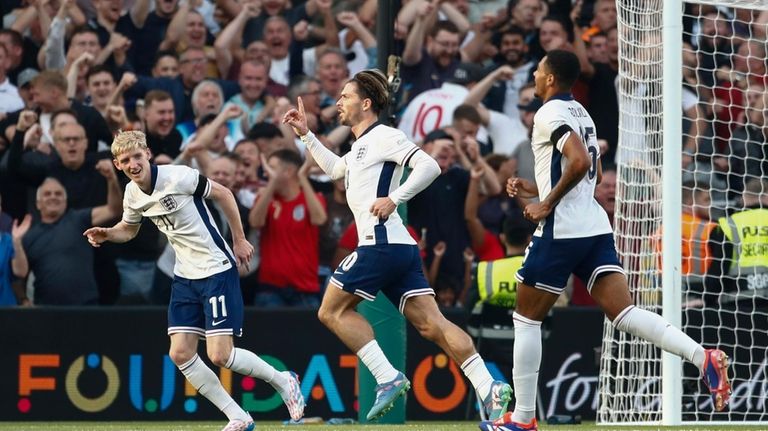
column 112, row 364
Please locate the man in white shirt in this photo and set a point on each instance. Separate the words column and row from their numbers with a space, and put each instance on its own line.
column 206, row 298
column 575, row 236
column 10, row 101
column 386, row 258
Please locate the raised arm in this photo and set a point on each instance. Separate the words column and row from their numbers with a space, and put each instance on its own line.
column 232, row 35
column 579, row 47
column 471, row 203
column 414, row 44
column 139, row 13
column 456, row 17
column 317, row 213
column 176, row 27
column 330, row 31
column 257, row 218
column 483, row 31
column 75, row 69
column 352, row 21
column 53, row 56
column 35, row 12
column 328, row 161
column 114, row 206
column 478, row 92
column 230, row 7
column 19, row 263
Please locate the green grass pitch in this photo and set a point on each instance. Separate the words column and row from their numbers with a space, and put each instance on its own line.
column 272, row 426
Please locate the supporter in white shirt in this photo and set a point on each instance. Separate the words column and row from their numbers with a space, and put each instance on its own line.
column 10, row 101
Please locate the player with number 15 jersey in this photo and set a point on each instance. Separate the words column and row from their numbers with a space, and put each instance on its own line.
column 578, row 214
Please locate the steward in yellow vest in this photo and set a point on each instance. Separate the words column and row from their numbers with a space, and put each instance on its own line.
column 739, row 250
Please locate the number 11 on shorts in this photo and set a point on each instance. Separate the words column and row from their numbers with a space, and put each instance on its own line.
column 214, row 301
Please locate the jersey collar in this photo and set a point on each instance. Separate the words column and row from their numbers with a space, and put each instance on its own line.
column 561, row 96
column 371, row 127
column 152, row 179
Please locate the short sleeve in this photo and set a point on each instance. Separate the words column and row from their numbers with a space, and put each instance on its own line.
column 552, row 123
column 83, row 217
column 130, row 215
column 191, row 182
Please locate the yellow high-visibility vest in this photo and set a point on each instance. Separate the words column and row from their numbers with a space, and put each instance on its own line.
column 748, row 232
column 496, row 281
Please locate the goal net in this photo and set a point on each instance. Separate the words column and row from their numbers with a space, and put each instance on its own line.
column 724, row 144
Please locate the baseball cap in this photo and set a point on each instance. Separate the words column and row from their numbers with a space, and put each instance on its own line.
column 435, row 135
column 467, row 73
column 26, row 76
column 531, row 106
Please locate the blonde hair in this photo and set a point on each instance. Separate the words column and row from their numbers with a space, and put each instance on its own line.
column 128, row 141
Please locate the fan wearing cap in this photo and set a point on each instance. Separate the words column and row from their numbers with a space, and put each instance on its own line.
column 24, row 84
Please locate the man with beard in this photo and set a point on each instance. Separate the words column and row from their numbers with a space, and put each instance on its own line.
column 386, row 258
column 428, row 68
column 504, row 96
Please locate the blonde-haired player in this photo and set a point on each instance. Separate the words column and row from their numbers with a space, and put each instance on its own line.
column 205, row 294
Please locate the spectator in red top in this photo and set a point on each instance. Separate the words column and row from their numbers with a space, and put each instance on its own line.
column 289, row 214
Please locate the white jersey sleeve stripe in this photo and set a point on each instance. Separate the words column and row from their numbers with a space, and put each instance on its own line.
column 202, row 209
column 408, row 156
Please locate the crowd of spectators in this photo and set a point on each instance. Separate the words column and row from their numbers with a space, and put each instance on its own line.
column 208, row 82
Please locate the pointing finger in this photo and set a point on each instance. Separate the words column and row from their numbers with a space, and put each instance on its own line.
column 301, row 107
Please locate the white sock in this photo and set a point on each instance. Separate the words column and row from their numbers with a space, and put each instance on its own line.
column 209, row 386
column 248, row 363
column 525, row 372
column 655, row 329
column 475, row 370
column 377, row 363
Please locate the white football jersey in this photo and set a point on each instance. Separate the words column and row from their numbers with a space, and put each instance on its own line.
column 177, row 206
column 374, row 167
column 578, row 214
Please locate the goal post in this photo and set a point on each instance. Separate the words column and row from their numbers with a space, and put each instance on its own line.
column 671, row 365
column 693, row 108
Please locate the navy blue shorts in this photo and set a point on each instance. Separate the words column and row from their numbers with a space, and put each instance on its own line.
column 395, row 269
column 208, row 307
column 549, row 262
